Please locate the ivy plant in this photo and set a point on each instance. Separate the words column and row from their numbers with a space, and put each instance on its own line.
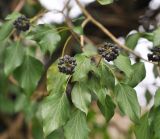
column 35, row 56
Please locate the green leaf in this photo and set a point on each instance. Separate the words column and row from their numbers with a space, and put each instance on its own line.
column 105, row 75
column 14, row 57
column 105, row 2
column 132, row 40
column 55, row 111
column 57, row 134
column 157, row 98
column 55, row 79
column 5, row 30
column 78, row 30
column 6, row 105
column 37, row 130
column 81, row 96
column 82, row 68
column 148, row 35
column 76, row 127
column 106, row 105
column 156, row 41
column 46, row 36
column 49, row 42
column 29, row 73
column 148, row 96
column 142, row 130
column 89, row 50
column 127, row 101
column 156, row 122
column 13, row 16
column 138, row 74
column 124, row 64
column 105, row 102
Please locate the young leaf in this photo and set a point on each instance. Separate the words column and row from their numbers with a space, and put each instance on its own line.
column 46, row 36
column 132, row 40
column 106, row 105
column 157, row 98
column 82, row 68
column 105, row 2
column 29, row 73
column 81, row 96
column 76, row 127
column 138, row 74
column 142, row 130
column 127, row 100
column 13, row 57
column 124, row 64
column 55, row 111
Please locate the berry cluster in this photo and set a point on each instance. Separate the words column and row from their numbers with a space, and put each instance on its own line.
column 22, row 23
column 109, row 51
column 67, row 64
column 155, row 56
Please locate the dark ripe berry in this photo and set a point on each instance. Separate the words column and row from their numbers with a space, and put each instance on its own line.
column 155, row 55
column 22, row 23
column 67, row 64
column 109, row 51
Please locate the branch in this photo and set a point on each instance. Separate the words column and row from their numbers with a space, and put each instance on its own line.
column 19, row 6
column 106, row 31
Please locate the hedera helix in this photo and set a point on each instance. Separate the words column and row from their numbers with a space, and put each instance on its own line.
column 102, row 74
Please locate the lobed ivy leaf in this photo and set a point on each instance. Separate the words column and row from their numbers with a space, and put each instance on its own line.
column 81, row 96
column 138, row 75
column 46, row 36
column 13, row 58
column 127, row 101
column 142, row 130
column 105, row 2
column 83, row 67
column 55, row 111
column 76, row 127
column 132, row 40
column 29, row 73
column 124, row 64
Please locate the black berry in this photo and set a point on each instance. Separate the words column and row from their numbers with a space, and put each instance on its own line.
column 22, row 23
column 67, row 64
column 109, row 51
column 155, row 55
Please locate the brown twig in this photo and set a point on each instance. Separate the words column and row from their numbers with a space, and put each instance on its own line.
column 106, row 31
column 19, row 6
